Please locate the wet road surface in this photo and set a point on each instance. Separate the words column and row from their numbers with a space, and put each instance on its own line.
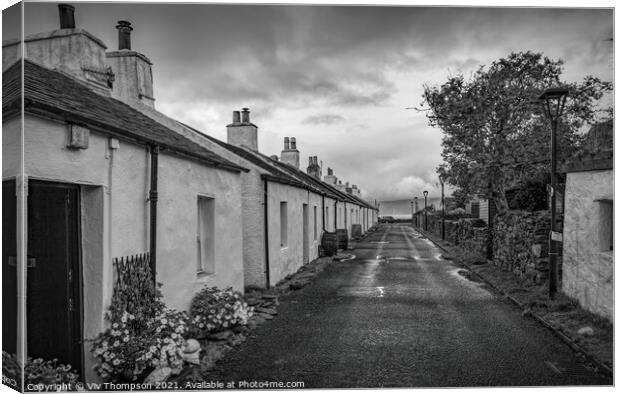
column 398, row 315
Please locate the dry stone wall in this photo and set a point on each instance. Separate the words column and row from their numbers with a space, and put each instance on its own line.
column 520, row 243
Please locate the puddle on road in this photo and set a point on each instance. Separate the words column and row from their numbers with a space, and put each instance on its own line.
column 380, row 291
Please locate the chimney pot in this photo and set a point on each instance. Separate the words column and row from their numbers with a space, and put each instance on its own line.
column 293, row 143
column 67, row 16
column 124, row 34
column 330, row 171
column 245, row 115
column 287, row 144
column 236, row 117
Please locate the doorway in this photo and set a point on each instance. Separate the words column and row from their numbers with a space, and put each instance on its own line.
column 54, row 286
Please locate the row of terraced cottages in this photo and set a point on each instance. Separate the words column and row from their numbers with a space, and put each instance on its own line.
column 99, row 175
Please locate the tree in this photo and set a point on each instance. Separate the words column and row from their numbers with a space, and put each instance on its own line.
column 495, row 133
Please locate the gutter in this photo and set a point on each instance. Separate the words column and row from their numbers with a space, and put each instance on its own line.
column 266, row 224
column 154, row 149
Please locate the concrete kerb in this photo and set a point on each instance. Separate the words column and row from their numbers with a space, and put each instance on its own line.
column 567, row 340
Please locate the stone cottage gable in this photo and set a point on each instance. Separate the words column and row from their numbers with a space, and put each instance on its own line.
column 51, row 92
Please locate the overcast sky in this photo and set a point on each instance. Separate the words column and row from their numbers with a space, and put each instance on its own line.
column 337, row 78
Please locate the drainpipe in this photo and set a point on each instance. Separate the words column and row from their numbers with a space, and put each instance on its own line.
column 266, row 222
column 154, row 149
column 323, row 206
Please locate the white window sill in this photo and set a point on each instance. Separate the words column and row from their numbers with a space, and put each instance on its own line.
column 203, row 276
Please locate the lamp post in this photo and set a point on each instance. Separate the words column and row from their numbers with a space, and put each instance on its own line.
column 412, row 212
column 443, row 211
column 553, row 101
column 425, row 211
column 415, row 204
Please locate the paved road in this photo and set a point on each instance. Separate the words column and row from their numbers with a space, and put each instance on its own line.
column 398, row 315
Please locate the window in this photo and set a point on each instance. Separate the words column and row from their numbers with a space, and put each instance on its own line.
column 283, row 224
column 606, row 225
column 315, row 222
column 205, row 235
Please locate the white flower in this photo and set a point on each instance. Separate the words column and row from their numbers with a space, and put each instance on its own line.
column 116, row 343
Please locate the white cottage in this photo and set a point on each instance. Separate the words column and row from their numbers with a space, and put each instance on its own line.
column 588, row 260
column 100, row 181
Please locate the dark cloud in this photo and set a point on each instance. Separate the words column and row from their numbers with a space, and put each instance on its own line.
column 323, row 119
column 297, row 67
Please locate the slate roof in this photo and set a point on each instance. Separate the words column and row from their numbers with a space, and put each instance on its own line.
column 280, row 172
column 51, row 92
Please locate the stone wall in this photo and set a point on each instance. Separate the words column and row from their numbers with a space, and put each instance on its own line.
column 469, row 234
column 520, row 243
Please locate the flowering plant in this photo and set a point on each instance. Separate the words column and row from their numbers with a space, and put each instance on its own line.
column 214, row 310
column 166, row 341
column 117, row 350
column 38, row 371
column 125, row 354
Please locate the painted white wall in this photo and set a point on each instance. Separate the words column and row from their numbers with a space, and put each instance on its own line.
column 115, row 214
column 11, row 148
column 180, row 183
column 587, row 271
column 287, row 260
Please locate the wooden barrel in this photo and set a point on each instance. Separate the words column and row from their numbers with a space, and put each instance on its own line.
column 343, row 238
column 329, row 243
column 356, row 230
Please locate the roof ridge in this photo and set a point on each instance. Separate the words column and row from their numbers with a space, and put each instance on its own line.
column 53, row 91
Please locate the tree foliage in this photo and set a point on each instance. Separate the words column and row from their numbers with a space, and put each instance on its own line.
column 496, row 135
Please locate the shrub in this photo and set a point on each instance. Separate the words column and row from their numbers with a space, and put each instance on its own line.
column 135, row 292
column 117, row 350
column 38, row 371
column 143, row 334
column 214, row 310
column 166, row 341
column 126, row 354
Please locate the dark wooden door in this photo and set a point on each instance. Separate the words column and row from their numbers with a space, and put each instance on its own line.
column 9, row 269
column 54, row 286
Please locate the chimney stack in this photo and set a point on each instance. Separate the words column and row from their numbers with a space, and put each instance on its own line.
column 313, row 167
column 290, row 154
column 133, row 74
column 67, row 16
column 236, row 117
column 242, row 133
column 330, row 178
column 124, row 35
column 245, row 116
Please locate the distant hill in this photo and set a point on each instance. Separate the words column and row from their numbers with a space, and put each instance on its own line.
column 403, row 207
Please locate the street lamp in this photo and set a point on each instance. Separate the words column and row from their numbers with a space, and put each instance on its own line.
column 553, row 101
column 425, row 211
column 443, row 211
column 415, row 203
column 412, row 212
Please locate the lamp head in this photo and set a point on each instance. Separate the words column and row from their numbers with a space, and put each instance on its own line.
column 553, row 100
column 425, row 193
